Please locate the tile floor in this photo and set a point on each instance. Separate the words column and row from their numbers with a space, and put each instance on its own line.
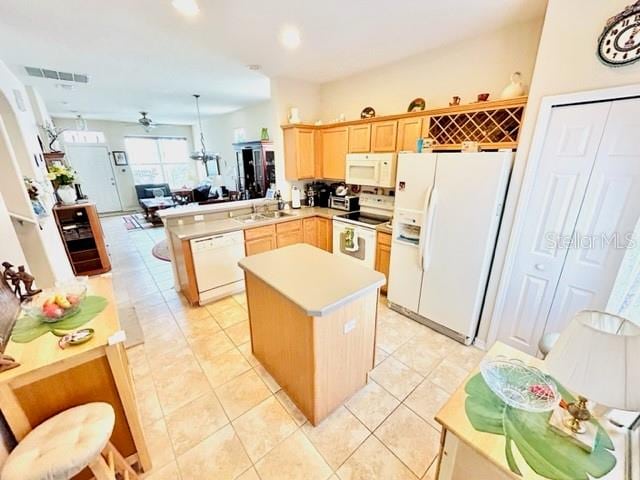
column 210, row 411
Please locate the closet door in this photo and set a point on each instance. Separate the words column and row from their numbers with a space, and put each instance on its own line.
column 567, row 158
column 607, row 218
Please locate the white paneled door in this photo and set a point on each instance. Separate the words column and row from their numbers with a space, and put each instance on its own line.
column 606, row 221
column 95, row 173
column 568, row 155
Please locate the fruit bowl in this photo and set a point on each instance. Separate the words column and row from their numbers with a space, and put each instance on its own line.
column 55, row 304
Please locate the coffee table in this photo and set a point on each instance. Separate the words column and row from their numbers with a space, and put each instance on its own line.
column 152, row 205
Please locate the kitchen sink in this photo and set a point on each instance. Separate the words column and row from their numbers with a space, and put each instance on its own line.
column 251, row 218
column 262, row 217
column 276, row 214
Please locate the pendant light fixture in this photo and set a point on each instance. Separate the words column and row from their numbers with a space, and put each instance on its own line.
column 203, row 155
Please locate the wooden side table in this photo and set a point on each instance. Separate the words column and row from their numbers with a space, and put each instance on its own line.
column 468, row 454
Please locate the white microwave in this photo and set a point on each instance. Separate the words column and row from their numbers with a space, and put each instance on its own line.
column 373, row 169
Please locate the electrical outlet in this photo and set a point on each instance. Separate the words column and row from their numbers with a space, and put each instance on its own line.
column 349, row 326
column 198, row 218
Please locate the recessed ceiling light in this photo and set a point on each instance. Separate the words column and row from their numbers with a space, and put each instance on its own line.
column 186, row 7
column 290, row 37
column 254, row 67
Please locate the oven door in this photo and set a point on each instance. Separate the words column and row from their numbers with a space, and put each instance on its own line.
column 354, row 242
column 362, row 172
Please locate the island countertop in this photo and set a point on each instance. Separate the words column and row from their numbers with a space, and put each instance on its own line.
column 336, row 280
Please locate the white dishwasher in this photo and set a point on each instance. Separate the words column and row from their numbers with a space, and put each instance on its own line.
column 215, row 261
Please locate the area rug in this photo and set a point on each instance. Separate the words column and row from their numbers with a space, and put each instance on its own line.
column 161, row 251
column 138, row 221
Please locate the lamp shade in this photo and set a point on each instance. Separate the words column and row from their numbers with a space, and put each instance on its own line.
column 598, row 357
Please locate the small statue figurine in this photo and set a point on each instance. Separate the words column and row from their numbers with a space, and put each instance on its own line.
column 18, row 280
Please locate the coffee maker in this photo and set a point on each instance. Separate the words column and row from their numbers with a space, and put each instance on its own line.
column 319, row 193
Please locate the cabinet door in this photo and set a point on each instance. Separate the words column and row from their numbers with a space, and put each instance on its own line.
column 306, row 153
column 383, row 136
column 325, row 234
column 360, row 138
column 335, row 143
column 310, row 231
column 299, row 153
column 259, row 245
column 409, row 130
column 383, row 256
column 290, row 238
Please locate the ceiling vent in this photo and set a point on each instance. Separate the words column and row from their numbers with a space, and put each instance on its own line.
column 55, row 75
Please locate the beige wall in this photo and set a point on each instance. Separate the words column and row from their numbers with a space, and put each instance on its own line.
column 285, row 93
column 40, row 242
column 566, row 62
column 115, row 132
column 477, row 65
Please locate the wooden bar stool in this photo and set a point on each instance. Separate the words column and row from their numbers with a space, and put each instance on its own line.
column 64, row 445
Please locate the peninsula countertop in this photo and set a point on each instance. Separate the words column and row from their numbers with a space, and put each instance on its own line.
column 336, row 280
column 197, row 229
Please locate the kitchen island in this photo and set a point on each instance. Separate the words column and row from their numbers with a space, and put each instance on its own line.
column 312, row 317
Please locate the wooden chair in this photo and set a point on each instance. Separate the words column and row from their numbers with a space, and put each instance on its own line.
column 66, row 444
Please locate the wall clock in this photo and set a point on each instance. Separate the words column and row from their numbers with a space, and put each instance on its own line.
column 619, row 43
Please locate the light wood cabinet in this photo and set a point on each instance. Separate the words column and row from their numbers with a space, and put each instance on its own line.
column 260, row 239
column 259, row 245
column 310, row 231
column 335, row 146
column 383, row 136
column 325, row 234
column 383, row 256
column 299, row 153
column 289, row 233
column 409, row 130
column 360, row 138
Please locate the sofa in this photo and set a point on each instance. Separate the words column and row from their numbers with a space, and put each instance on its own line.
column 147, row 190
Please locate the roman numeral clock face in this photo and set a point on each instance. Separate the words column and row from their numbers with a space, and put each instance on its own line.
column 619, row 43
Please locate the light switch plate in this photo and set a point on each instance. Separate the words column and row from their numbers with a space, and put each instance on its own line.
column 349, row 326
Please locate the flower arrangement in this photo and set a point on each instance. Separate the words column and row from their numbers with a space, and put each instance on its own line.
column 61, row 175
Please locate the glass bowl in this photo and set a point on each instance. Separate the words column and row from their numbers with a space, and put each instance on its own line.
column 55, row 304
column 519, row 385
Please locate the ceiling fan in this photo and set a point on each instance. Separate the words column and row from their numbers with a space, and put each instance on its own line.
column 147, row 123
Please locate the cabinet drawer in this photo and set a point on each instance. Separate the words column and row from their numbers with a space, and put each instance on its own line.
column 384, row 239
column 258, row 232
column 289, row 226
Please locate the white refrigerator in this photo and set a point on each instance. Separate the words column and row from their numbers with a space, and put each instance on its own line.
column 448, row 208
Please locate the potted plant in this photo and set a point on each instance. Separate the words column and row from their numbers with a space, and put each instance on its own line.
column 62, row 178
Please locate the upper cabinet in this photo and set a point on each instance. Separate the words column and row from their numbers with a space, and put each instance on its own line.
column 383, row 136
column 335, row 146
column 319, row 151
column 299, row 151
column 360, row 138
column 409, row 130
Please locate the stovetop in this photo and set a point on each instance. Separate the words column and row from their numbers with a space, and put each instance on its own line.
column 365, row 218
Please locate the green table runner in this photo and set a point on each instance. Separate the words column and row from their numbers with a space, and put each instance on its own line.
column 547, row 452
column 29, row 328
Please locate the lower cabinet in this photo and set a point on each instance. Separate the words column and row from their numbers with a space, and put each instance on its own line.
column 289, row 233
column 260, row 239
column 383, row 256
column 324, row 234
column 315, row 231
column 310, row 231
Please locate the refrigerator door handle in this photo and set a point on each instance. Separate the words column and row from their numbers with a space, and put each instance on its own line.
column 433, row 203
column 425, row 210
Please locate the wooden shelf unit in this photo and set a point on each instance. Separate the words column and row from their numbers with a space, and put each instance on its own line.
column 81, row 232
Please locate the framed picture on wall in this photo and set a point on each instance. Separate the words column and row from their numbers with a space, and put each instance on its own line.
column 120, row 158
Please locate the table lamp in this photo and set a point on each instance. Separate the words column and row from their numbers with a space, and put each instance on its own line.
column 598, row 358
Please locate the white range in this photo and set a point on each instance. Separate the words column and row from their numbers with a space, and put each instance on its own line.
column 361, row 225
